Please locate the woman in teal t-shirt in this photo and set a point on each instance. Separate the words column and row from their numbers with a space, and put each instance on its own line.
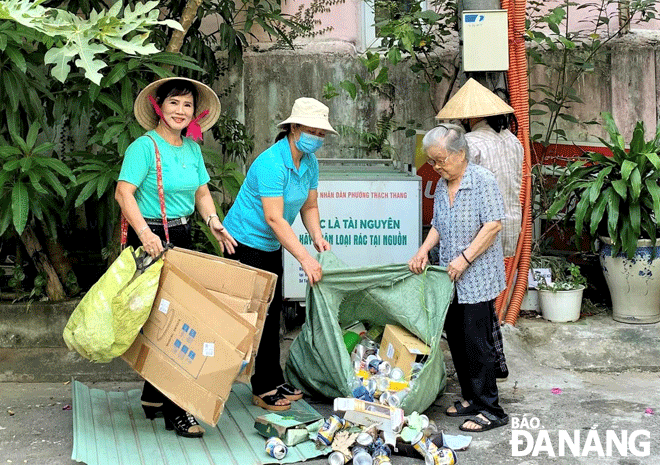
column 280, row 184
column 165, row 108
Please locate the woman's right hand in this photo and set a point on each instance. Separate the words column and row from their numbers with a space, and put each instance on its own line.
column 312, row 269
column 151, row 243
column 418, row 262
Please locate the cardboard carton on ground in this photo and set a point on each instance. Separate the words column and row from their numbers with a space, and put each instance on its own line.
column 194, row 345
column 402, row 348
column 290, row 426
column 366, row 413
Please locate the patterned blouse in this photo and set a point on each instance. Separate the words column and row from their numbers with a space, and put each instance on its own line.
column 477, row 201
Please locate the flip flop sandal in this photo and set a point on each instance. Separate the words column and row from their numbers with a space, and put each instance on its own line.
column 269, row 402
column 462, row 411
column 491, row 422
column 289, row 392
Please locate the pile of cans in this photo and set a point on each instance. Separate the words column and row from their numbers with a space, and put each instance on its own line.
column 367, row 450
column 376, row 379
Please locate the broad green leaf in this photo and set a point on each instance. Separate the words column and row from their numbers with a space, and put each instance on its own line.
column 55, row 183
column 580, row 214
column 32, row 135
column 349, row 87
column 654, row 190
column 597, row 186
column 61, row 58
column 11, row 88
column 627, row 167
column 599, row 209
column 613, row 216
column 36, row 185
column 5, row 214
column 16, row 57
column 635, row 186
column 20, row 203
column 621, row 188
column 86, row 193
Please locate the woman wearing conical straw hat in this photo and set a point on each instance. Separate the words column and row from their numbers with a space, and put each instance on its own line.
column 166, row 108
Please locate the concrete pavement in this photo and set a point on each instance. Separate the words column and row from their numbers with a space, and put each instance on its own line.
column 578, row 393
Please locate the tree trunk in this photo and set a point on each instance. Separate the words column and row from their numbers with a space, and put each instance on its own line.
column 60, row 262
column 187, row 17
column 54, row 288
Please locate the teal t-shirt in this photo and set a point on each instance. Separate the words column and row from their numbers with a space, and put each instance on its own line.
column 183, row 172
column 272, row 174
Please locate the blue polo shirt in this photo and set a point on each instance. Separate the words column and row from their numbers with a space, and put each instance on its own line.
column 477, row 201
column 272, row 174
column 183, row 173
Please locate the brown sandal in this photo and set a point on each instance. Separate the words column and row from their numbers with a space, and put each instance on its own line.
column 269, row 402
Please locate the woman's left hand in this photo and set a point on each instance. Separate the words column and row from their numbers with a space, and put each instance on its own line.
column 225, row 239
column 321, row 245
column 456, row 268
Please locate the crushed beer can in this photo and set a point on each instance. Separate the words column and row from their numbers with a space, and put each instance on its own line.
column 338, row 458
column 441, row 456
column 327, row 432
column 276, row 448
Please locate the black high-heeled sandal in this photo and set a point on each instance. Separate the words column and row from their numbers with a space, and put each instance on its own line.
column 152, row 409
column 181, row 424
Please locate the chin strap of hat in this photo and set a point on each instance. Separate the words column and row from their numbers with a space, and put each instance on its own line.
column 194, row 131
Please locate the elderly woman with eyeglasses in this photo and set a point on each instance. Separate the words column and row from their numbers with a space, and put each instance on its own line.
column 467, row 217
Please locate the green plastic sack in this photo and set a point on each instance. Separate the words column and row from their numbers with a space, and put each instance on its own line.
column 108, row 318
column 319, row 363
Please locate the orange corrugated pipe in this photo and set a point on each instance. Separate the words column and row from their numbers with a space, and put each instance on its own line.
column 518, row 265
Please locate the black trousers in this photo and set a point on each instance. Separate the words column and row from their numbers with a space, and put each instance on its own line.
column 267, row 369
column 180, row 236
column 469, row 330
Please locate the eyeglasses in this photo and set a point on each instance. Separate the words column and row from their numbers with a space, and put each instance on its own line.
column 435, row 163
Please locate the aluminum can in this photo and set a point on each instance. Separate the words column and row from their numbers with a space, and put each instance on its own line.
column 337, row 458
column 370, row 347
column 396, row 374
column 361, row 456
column 441, row 456
column 276, row 448
column 396, row 399
column 364, row 439
column 384, row 396
column 374, row 363
column 359, row 352
column 381, row 449
column 381, row 460
column 385, row 368
column 327, row 432
column 420, row 445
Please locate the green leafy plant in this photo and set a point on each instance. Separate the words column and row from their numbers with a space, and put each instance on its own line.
column 618, row 196
column 83, row 39
column 31, row 181
column 565, row 276
column 567, row 54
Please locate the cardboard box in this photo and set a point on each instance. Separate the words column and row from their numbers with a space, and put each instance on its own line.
column 194, row 344
column 290, row 426
column 246, row 289
column 366, row 413
column 402, row 348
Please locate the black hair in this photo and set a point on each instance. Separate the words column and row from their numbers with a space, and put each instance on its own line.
column 286, row 130
column 176, row 87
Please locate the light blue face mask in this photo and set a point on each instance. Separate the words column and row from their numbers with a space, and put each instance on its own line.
column 307, row 143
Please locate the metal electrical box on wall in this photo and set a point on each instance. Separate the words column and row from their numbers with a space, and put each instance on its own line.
column 485, row 40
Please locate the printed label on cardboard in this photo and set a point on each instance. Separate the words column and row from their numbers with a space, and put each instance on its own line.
column 208, row 349
column 164, row 306
column 390, row 351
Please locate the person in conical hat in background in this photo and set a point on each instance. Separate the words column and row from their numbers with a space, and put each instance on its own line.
column 498, row 150
column 281, row 183
column 166, row 108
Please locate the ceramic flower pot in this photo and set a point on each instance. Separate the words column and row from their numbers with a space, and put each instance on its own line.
column 561, row 306
column 634, row 283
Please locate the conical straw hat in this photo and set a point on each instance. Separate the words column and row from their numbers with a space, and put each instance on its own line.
column 207, row 100
column 473, row 101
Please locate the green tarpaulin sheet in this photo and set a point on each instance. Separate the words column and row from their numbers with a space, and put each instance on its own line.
column 319, row 363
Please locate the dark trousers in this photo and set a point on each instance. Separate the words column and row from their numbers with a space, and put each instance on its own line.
column 469, row 330
column 267, row 369
column 180, row 236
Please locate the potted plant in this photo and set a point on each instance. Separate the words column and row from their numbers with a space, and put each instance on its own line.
column 560, row 298
column 617, row 199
